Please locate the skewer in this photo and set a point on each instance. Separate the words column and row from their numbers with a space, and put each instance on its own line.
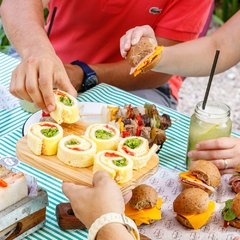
column 91, row 115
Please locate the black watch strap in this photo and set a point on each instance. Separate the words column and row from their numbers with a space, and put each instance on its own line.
column 90, row 77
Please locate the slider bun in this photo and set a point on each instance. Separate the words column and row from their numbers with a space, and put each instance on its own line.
column 184, row 221
column 143, row 196
column 206, row 171
column 137, row 52
column 236, row 206
column 191, row 201
column 235, row 223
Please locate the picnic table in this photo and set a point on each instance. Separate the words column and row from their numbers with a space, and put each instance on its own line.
column 12, row 118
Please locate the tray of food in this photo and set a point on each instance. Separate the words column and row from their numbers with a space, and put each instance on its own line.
column 76, row 141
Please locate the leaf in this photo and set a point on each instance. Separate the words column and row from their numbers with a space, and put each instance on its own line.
column 227, row 212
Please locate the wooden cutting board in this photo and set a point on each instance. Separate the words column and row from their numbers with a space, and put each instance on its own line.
column 54, row 167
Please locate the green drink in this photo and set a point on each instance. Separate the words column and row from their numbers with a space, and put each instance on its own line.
column 28, row 106
column 212, row 122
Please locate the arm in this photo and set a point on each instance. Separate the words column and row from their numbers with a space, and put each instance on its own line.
column 194, row 58
column 40, row 69
column 117, row 74
column 89, row 203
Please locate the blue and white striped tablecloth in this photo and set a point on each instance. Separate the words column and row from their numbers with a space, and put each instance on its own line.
column 172, row 154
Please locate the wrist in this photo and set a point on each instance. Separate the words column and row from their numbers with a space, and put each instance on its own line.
column 108, row 232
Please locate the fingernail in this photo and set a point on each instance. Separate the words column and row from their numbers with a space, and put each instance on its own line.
column 190, row 154
column 51, row 108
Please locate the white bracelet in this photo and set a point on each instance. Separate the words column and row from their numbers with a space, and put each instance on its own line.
column 113, row 218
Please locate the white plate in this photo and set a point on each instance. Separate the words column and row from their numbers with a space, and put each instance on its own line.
column 95, row 109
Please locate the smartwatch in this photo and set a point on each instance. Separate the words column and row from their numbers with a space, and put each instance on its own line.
column 90, row 77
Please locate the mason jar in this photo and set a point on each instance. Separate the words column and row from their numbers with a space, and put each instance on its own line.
column 212, row 122
column 28, row 106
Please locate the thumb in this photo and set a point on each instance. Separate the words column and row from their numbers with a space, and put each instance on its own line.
column 69, row 189
column 101, row 178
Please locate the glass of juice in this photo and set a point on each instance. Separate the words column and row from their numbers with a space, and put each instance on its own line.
column 28, row 106
column 212, row 122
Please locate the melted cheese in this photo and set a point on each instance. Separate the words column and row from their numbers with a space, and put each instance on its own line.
column 148, row 60
column 199, row 220
column 146, row 215
column 189, row 176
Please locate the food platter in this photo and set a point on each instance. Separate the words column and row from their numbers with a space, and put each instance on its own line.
column 52, row 166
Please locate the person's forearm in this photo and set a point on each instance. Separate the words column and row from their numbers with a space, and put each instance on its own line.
column 117, row 74
column 24, row 25
column 195, row 58
column 114, row 231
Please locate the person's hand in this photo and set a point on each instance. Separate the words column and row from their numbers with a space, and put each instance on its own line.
column 36, row 76
column 75, row 74
column 89, row 203
column 223, row 152
column 133, row 36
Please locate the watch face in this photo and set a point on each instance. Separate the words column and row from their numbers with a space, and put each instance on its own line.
column 90, row 82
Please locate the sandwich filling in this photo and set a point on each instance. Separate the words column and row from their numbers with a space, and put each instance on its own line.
column 188, row 178
column 199, row 220
column 228, row 213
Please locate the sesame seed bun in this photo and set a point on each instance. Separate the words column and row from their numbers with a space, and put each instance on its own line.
column 191, row 201
column 206, row 171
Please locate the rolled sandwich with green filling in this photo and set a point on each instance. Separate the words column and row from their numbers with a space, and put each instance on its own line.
column 43, row 138
column 105, row 136
column 118, row 165
column 231, row 212
column 66, row 109
column 137, row 148
column 77, row 151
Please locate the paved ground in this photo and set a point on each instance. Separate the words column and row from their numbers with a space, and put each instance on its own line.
column 225, row 88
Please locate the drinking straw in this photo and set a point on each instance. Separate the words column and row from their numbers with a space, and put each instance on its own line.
column 51, row 21
column 210, row 79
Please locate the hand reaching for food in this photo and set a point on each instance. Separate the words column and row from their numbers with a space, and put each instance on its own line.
column 104, row 197
column 36, row 76
column 223, row 152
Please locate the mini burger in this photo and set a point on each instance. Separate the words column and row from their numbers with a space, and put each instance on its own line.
column 234, row 181
column 231, row 212
column 193, row 208
column 144, row 56
column 202, row 174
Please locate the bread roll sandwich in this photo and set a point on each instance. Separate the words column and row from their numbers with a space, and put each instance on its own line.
column 193, row 208
column 66, row 110
column 77, row 151
column 118, row 165
column 202, row 174
column 43, row 138
column 143, row 56
column 145, row 206
column 13, row 187
column 231, row 212
column 234, row 181
column 137, row 148
column 105, row 136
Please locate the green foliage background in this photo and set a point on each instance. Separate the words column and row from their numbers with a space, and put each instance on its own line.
column 224, row 9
